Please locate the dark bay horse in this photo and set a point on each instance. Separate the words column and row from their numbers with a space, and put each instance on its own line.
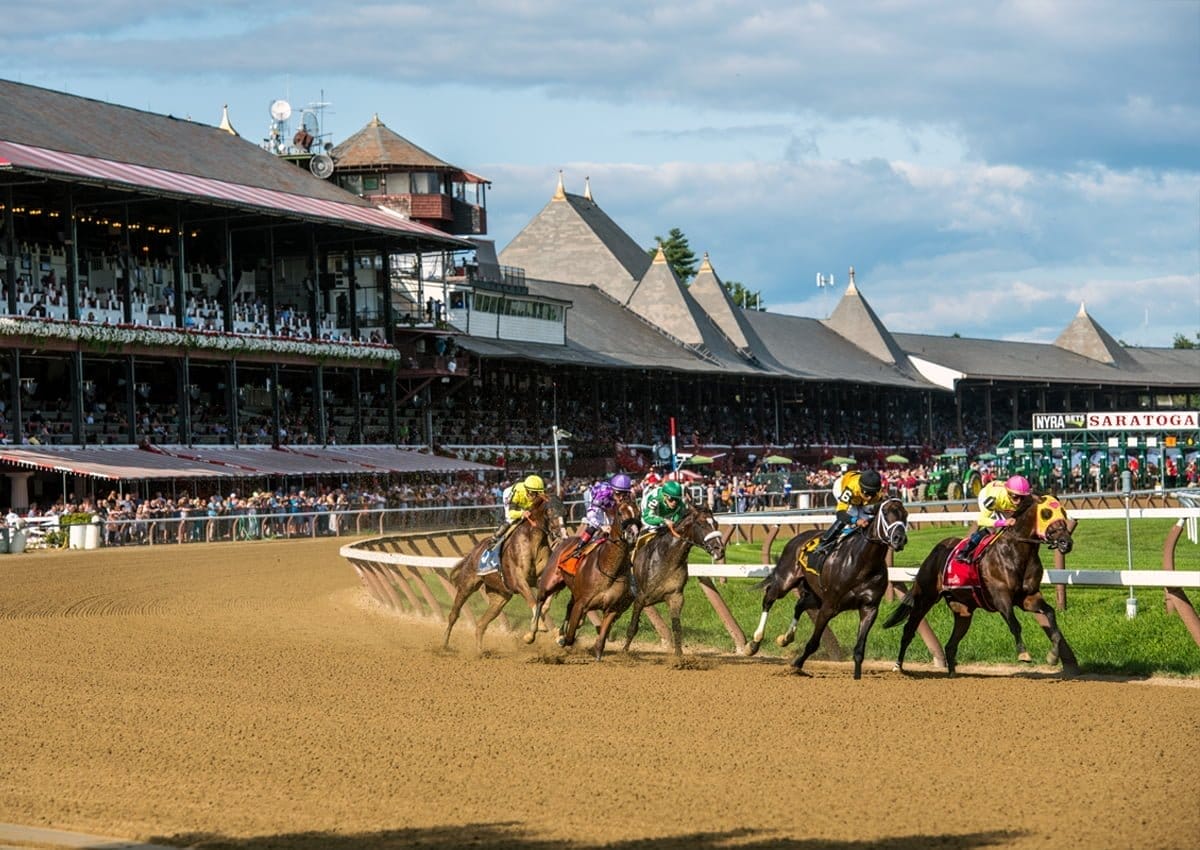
column 660, row 568
column 1010, row 573
column 599, row 583
column 522, row 557
column 853, row 576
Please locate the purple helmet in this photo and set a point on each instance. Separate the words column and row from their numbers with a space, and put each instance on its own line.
column 602, row 495
column 621, row 483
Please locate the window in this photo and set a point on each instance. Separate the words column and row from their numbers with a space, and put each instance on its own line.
column 370, row 184
column 426, row 183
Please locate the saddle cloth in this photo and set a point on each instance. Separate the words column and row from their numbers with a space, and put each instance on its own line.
column 569, row 564
column 957, row 572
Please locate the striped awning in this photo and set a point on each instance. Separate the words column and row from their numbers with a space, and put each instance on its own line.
column 131, row 463
column 190, row 186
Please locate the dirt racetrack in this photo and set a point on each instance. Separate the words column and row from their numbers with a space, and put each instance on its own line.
column 249, row 696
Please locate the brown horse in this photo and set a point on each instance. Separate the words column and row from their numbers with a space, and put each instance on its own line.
column 523, row 555
column 853, row 576
column 888, row 530
column 600, row 580
column 1010, row 573
column 660, row 567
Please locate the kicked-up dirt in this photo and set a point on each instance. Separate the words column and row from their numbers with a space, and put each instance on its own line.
column 251, row 696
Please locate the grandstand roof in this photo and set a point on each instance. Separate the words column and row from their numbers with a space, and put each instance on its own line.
column 378, row 146
column 132, row 463
column 80, row 139
column 573, row 241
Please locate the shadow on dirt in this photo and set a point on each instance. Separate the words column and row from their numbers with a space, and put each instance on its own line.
column 502, row 836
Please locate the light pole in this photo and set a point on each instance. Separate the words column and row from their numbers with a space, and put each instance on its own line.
column 825, row 282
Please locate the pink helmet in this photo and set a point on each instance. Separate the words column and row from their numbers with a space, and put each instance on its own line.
column 1018, row 485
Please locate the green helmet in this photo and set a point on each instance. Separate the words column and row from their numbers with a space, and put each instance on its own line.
column 673, row 489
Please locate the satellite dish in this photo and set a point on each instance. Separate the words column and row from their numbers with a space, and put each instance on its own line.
column 321, row 165
column 281, row 110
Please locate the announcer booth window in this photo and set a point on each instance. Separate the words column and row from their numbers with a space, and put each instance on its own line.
column 458, row 300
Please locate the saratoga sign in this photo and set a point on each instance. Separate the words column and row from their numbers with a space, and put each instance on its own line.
column 1157, row 420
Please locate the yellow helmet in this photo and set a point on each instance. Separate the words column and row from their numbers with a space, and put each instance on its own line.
column 534, row 483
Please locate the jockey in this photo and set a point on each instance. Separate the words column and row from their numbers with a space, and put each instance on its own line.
column 601, row 505
column 622, row 486
column 518, row 499
column 664, row 507
column 856, row 494
column 997, row 501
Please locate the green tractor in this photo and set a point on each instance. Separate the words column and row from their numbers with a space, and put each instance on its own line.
column 953, row 477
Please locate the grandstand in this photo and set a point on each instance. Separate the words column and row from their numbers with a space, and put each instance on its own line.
column 167, row 284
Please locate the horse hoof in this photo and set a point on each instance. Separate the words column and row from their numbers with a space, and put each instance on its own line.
column 529, row 636
column 785, row 640
column 561, row 641
column 1025, row 658
column 752, row 647
column 1052, row 657
column 896, row 668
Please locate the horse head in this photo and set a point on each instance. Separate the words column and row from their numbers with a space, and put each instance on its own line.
column 628, row 521
column 547, row 514
column 702, row 530
column 890, row 525
column 1051, row 524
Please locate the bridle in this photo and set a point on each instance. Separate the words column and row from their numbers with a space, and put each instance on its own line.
column 891, row 533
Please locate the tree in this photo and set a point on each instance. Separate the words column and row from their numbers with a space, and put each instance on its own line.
column 1182, row 341
column 678, row 253
column 742, row 296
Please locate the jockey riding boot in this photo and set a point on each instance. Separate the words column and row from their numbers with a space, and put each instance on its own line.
column 968, row 555
column 584, row 539
column 829, row 538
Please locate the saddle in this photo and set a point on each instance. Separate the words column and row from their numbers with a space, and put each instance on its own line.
column 958, row 574
column 811, row 559
column 570, row 563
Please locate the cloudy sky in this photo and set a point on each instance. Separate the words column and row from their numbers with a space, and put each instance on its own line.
column 984, row 166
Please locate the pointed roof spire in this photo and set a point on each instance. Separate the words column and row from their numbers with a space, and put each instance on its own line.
column 661, row 256
column 375, row 122
column 560, row 194
column 225, row 124
column 587, row 187
column 852, row 289
column 854, row 320
column 1086, row 338
column 705, row 265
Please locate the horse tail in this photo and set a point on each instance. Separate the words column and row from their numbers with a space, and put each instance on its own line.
column 901, row 613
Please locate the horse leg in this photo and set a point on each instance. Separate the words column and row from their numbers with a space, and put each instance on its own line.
column 769, row 599
column 496, row 603
column 866, row 619
column 571, row 623
column 804, row 601
column 1059, row 649
column 675, row 604
column 461, row 595
column 606, row 624
column 634, row 619
column 962, row 622
column 920, row 608
column 822, row 619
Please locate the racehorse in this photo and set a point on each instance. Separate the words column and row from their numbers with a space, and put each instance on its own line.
column 853, row 576
column 660, row 567
column 523, row 554
column 1010, row 576
column 599, row 581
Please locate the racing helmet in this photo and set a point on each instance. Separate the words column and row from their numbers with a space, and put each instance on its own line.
column 534, row 483
column 673, row 490
column 1018, row 485
column 621, row 483
column 652, row 478
column 870, row 482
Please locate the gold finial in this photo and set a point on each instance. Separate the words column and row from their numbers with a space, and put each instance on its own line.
column 375, row 122
column 705, row 265
column 1082, row 309
column 587, row 187
column 660, row 257
column 852, row 289
column 560, row 194
column 225, row 123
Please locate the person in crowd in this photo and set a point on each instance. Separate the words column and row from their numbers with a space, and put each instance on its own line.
column 856, row 495
column 997, row 502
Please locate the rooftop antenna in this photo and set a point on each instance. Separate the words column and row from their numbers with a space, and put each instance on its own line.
column 825, row 283
column 280, row 111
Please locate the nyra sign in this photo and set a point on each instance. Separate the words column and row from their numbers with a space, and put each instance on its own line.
column 1156, row 420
